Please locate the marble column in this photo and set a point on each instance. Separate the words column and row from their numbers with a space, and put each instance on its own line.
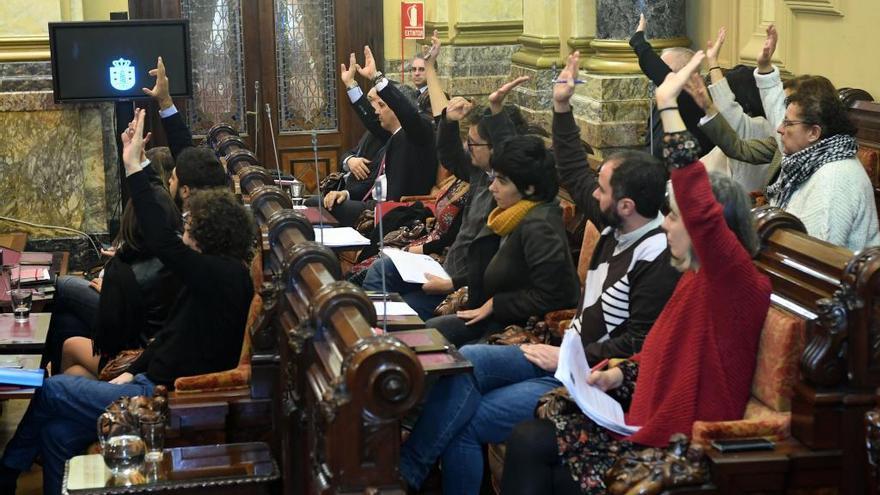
column 616, row 21
column 613, row 106
column 479, row 37
column 545, row 25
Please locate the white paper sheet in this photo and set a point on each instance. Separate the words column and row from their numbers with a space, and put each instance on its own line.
column 412, row 267
column 572, row 371
column 393, row 308
column 340, row 236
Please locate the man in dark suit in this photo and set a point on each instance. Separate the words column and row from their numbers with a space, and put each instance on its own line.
column 390, row 114
column 195, row 168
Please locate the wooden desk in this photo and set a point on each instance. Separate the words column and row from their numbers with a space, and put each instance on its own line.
column 14, row 240
column 23, row 338
column 238, row 468
column 397, row 323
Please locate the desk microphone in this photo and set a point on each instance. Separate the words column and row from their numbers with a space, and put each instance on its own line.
column 318, row 184
column 379, row 196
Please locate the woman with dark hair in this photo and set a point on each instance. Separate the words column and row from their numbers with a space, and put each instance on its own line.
column 698, row 359
column 136, row 293
column 518, row 265
column 203, row 333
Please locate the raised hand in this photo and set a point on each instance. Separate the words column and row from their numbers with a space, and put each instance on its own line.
column 369, row 68
column 458, row 108
column 160, row 90
column 668, row 92
column 713, row 47
column 766, row 54
column 347, row 73
column 643, row 23
column 496, row 99
column 133, row 143
column 696, row 87
column 563, row 91
column 434, row 51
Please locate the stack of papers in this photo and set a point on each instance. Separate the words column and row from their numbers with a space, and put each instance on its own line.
column 393, row 308
column 572, row 371
column 412, row 267
column 340, row 236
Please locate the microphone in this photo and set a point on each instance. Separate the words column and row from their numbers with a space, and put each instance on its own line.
column 318, row 184
column 257, row 99
column 274, row 145
column 379, row 195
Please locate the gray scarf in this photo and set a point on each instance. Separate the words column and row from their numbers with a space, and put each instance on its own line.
column 798, row 167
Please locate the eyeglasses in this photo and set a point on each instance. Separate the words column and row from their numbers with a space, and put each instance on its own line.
column 789, row 123
column 472, row 145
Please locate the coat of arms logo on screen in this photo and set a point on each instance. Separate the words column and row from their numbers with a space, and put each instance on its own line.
column 122, row 75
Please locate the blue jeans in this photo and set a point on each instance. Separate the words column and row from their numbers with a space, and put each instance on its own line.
column 424, row 304
column 61, row 422
column 464, row 411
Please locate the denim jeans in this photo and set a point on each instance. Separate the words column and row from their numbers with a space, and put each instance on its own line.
column 423, row 303
column 74, row 314
column 61, row 422
column 464, row 411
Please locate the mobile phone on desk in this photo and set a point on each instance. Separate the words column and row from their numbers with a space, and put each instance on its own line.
column 742, row 445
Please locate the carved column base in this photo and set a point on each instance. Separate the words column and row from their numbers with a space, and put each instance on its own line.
column 617, row 57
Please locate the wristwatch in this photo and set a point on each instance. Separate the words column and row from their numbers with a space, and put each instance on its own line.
column 379, row 76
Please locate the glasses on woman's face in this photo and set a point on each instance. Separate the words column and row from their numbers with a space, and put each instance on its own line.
column 789, row 123
column 471, row 145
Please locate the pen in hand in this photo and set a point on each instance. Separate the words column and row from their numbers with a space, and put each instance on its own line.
column 603, row 363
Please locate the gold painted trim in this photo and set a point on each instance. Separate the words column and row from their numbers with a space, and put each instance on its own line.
column 822, row 7
column 24, row 48
column 617, row 57
column 488, row 33
column 582, row 43
column 538, row 52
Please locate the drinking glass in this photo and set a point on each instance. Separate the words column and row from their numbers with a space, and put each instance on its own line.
column 153, row 433
column 21, row 304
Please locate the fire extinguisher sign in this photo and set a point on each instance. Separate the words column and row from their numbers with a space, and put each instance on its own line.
column 412, row 19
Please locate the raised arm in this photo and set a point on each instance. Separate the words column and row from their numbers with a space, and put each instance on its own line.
column 575, row 174
column 449, row 150
column 362, row 107
column 650, row 63
column 435, row 90
column 712, row 50
column 178, row 133
column 418, row 130
column 718, row 250
column 769, row 82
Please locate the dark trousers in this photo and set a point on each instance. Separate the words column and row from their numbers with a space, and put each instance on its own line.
column 346, row 212
column 532, row 464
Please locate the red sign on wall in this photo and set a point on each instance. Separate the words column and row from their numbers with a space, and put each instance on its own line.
column 412, row 20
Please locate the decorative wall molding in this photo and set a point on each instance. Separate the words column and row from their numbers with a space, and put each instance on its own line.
column 24, row 48
column 822, row 7
column 487, row 32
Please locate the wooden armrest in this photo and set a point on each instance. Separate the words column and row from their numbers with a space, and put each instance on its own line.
column 239, row 377
column 423, row 198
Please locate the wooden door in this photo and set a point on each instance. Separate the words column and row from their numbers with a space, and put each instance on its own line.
column 291, row 49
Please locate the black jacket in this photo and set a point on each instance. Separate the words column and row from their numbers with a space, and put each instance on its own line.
column 410, row 156
column 656, row 69
column 178, row 134
column 369, row 147
column 529, row 274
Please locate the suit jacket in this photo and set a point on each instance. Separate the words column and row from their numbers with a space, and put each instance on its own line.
column 178, row 134
column 754, row 151
column 410, row 155
column 368, row 147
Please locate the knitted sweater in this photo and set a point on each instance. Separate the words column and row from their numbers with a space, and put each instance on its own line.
column 698, row 359
column 837, row 205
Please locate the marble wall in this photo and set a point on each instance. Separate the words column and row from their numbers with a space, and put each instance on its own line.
column 57, row 161
column 617, row 19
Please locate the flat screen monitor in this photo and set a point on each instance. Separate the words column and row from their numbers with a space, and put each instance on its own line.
column 111, row 60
